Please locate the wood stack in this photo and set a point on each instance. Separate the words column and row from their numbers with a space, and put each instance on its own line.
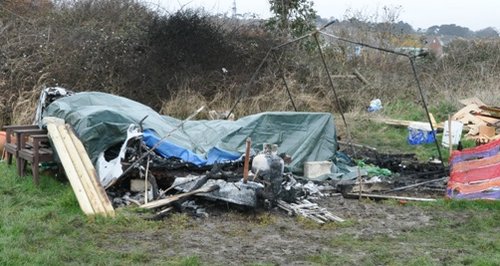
column 406, row 123
column 482, row 121
column 79, row 170
column 309, row 210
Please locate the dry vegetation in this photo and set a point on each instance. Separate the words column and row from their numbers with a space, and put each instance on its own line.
column 174, row 62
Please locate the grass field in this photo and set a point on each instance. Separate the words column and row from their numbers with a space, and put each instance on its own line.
column 44, row 226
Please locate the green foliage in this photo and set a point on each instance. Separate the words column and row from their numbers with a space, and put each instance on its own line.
column 488, row 32
column 125, row 48
column 294, row 17
column 374, row 170
column 186, row 39
column 450, row 29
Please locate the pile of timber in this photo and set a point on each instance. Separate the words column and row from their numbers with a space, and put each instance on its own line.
column 309, row 210
column 482, row 121
column 79, row 170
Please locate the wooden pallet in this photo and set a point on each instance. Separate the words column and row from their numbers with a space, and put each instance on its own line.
column 79, row 169
column 309, row 210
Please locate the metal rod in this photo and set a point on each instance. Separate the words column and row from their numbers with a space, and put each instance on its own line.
column 415, row 75
column 424, row 103
column 416, row 185
column 284, row 81
column 292, row 41
column 334, row 92
column 247, row 86
column 240, row 96
column 364, row 44
column 327, row 24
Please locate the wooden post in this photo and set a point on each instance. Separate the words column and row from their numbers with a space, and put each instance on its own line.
column 360, row 183
column 360, row 77
column 450, row 138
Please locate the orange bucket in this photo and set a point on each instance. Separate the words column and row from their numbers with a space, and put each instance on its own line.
column 2, row 141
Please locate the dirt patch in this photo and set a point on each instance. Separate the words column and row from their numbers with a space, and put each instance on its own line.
column 232, row 237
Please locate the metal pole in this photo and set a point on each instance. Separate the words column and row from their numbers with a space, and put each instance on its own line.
column 424, row 103
column 284, row 81
column 247, row 86
column 240, row 96
column 363, row 44
column 415, row 75
column 334, row 92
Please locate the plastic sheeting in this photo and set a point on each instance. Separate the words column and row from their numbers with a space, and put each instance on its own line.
column 101, row 121
column 475, row 173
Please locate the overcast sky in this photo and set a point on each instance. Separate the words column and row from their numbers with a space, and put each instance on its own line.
column 476, row 14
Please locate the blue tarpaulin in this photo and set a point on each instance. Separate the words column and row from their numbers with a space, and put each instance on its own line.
column 168, row 149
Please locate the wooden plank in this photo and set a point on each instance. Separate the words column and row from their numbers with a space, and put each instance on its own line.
column 473, row 100
column 81, row 171
column 70, row 170
column 433, row 121
column 91, row 172
column 360, row 77
column 174, row 198
column 406, row 123
column 374, row 196
column 309, row 210
column 465, row 111
column 470, row 120
column 494, row 111
column 486, row 118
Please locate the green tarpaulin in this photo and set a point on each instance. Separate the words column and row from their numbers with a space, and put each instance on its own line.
column 101, row 120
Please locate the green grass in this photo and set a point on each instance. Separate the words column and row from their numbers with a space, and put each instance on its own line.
column 442, row 110
column 393, row 139
column 449, row 241
column 45, row 226
column 475, row 205
column 404, row 110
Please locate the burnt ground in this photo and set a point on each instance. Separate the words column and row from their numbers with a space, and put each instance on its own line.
column 231, row 236
column 235, row 237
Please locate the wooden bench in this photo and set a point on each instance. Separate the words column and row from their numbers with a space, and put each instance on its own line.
column 11, row 140
column 13, row 137
column 34, row 150
column 27, row 143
